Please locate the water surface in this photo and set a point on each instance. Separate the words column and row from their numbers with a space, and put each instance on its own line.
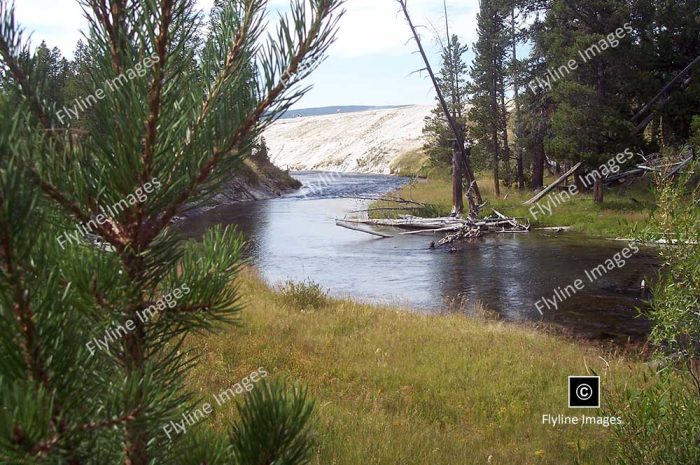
column 295, row 238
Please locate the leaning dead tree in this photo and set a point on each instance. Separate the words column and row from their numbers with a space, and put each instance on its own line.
column 681, row 81
column 454, row 228
column 462, row 169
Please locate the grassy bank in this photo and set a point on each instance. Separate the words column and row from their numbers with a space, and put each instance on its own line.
column 622, row 210
column 393, row 387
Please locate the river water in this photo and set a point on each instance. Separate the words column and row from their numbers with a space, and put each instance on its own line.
column 295, row 238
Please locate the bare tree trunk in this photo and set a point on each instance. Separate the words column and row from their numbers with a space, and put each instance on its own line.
column 496, row 184
column 506, row 149
column 598, row 190
column 538, row 167
column 466, row 163
column 494, row 135
column 580, row 185
column 457, row 191
column 516, row 95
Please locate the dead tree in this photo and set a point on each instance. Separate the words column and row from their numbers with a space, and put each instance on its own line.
column 457, row 175
column 681, row 80
column 474, row 202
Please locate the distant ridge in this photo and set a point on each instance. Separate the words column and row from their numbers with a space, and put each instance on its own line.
column 302, row 112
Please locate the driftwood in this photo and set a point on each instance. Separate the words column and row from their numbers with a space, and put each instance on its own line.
column 679, row 168
column 355, row 227
column 547, row 189
column 462, row 234
column 457, row 228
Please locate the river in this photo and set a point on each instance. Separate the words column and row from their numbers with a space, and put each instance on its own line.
column 294, row 237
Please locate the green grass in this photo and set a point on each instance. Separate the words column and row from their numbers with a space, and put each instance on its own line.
column 394, row 387
column 622, row 210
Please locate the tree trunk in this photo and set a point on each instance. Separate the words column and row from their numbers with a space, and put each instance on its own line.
column 580, row 185
column 457, row 192
column 516, row 95
column 508, row 175
column 520, row 170
column 538, row 167
column 598, row 190
column 496, row 186
column 453, row 124
column 494, row 134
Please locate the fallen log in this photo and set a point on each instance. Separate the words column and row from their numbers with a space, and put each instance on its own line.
column 547, row 189
column 679, row 168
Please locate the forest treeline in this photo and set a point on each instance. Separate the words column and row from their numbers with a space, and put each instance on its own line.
column 557, row 82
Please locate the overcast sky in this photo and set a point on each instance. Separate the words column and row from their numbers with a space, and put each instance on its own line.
column 370, row 63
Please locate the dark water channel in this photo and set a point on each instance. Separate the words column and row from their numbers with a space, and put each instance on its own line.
column 295, row 237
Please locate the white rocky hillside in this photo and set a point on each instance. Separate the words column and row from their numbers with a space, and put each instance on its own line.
column 362, row 142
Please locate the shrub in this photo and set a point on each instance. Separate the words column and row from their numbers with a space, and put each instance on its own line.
column 304, row 295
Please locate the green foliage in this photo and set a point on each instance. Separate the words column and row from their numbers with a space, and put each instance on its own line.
column 674, row 313
column 488, row 115
column 590, row 120
column 661, row 419
column 695, row 133
column 660, row 423
column 273, row 425
column 160, row 139
column 260, row 152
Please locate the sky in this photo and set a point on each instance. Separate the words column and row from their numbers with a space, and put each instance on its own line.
column 372, row 61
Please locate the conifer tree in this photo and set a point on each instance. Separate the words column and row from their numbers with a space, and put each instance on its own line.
column 87, row 245
column 590, row 122
column 452, row 79
column 487, row 117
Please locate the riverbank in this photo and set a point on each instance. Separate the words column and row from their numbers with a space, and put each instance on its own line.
column 623, row 209
column 255, row 180
column 394, row 387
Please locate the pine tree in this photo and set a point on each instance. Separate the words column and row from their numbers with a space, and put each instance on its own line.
column 487, row 117
column 163, row 136
column 452, row 79
column 591, row 117
column 667, row 39
column 537, row 106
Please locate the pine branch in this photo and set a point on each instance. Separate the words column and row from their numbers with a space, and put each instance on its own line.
column 111, row 231
column 112, row 19
column 110, row 422
column 263, row 106
column 235, row 52
column 154, row 103
column 10, row 42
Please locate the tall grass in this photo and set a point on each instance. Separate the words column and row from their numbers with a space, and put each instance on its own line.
column 394, row 387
